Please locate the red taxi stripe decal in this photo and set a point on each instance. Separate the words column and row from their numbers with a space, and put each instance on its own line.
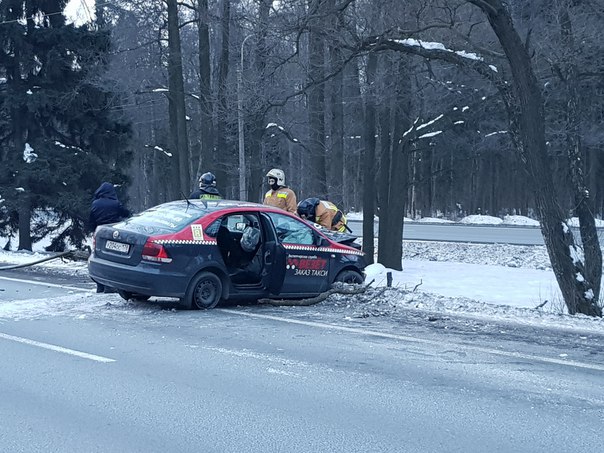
column 287, row 246
column 323, row 249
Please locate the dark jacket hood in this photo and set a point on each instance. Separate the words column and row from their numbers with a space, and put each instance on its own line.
column 210, row 190
column 106, row 190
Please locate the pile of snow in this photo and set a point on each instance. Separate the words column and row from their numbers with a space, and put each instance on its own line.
column 574, row 222
column 476, row 219
column 519, row 220
column 518, row 256
column 433, row 220
column 481, row 220
column 358, row 216
column 402, row 302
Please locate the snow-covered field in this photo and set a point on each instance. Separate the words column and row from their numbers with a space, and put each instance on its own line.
column 488, row 281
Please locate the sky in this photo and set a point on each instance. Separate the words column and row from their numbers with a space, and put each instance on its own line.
column 487, row 281
column 80, row 11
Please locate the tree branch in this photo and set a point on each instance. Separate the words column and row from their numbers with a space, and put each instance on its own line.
column 339, row 289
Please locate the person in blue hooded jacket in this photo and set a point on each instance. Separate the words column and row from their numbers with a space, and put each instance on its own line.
column 106, row 208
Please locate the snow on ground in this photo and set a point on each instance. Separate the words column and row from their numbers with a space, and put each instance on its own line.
column 481, row 220
column 488, row 281
column 574, row 222
column 61, row 265
column 434, row 220
column 519, row 220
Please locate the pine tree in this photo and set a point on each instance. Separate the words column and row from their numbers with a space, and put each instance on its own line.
column 58, row 138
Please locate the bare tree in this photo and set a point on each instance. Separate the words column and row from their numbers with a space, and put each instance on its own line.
column 205, row 91
column 369, row 190
column 178, row 125
column 394, row 171
column 583, row 202
column 335, row 170
column 220, row 117
column 316, row 97
column 577, row 289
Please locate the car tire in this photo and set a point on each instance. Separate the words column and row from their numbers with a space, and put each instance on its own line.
column 349, row 276
column 127, row 295
column 204, row 292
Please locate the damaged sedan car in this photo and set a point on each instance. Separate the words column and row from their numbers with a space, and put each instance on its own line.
column 205, row 252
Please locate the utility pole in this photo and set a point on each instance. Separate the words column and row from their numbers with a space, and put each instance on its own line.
column 242, row 164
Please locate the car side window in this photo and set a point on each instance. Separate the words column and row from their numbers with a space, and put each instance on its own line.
column 290, row 230
column 212, row 229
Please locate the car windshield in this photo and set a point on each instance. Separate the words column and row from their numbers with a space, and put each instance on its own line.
column 164, row 219
column 291, row 230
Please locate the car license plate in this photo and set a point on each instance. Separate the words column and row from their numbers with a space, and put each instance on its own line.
column 117, row 246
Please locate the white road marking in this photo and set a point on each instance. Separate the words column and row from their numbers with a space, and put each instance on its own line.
column 54, row 285
column 52, row 347
column 508, row 354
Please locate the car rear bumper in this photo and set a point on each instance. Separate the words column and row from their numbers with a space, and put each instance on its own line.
column 144, row 278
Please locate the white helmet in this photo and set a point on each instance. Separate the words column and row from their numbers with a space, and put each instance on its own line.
column 278, row 175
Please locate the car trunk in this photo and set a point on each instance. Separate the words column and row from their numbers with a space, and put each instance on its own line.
column 119, row 245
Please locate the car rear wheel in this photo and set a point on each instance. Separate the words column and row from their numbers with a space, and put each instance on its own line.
column 349, row 276
column 127, row 295
column 205, row 291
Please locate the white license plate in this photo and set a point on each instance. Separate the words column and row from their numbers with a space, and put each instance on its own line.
column 117, row 246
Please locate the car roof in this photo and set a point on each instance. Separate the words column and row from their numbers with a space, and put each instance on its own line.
column 219, row 205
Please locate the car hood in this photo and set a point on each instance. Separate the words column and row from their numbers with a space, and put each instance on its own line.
column 341, row 238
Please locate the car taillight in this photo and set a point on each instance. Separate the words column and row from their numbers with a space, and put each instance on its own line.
column 156, row 253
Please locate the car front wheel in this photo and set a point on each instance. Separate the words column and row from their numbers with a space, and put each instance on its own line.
column 349, row 276
column 205, row 291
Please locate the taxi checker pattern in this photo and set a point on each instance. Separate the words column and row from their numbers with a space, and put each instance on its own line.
column 182, row 241
column 287, row 246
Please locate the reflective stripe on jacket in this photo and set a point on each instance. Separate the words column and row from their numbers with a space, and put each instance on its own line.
column 328, row 215
column 282, row 198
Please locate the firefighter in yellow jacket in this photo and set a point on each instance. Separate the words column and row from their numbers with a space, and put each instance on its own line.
column 279, row 195
column 323, row 212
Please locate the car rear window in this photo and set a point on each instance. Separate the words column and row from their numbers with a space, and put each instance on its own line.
column 165, row 219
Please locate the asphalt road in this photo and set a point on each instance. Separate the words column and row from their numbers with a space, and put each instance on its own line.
column 130, row 378
column 31, row 283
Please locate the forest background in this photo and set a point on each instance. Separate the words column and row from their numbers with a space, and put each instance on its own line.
column 417, row 108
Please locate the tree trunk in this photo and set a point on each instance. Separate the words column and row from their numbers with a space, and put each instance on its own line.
column 255, row 130
column 24, row 211
column 583, row 203
column 391, row 249
column 354, row 130
column 577, row 290
column 369, row 191
column 223, row 158
column 178, row 126
column 335, row 179
column 316, row 101
column 383, row 181
column 206, row 158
